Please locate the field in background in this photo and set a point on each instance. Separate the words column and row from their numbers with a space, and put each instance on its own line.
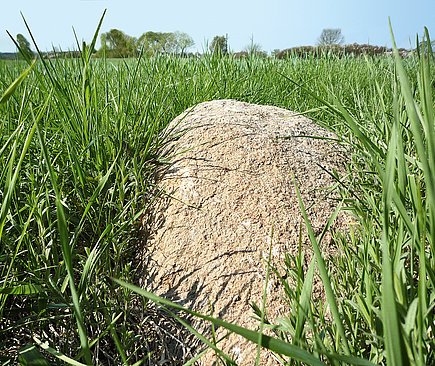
column 82, row 139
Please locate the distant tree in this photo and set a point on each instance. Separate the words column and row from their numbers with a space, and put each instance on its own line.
column 157, row 43
column 116, row 43
column 253, row 48
column 275, row 52
column 24, row 47
column 424, row 44
column 148, row 42
column 219, row 44
column 182, row 42
column 330, row 37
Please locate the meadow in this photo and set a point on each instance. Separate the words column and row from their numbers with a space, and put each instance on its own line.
column 81, row 143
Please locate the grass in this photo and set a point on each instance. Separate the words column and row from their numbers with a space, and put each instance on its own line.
column 81, row 143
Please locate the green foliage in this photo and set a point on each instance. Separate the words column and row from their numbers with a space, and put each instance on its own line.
column 156, row 43
column 117, row 44
column 30, row 356
column 352, row 50
column 24, row 47
column 182, row 42
column 11, row 89
column 219, row 45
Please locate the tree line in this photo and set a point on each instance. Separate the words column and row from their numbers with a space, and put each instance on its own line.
column 117, row 44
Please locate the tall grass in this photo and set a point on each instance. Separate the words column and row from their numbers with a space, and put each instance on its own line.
column 81, row 143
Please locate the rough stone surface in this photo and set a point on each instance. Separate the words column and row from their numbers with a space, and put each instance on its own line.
column 231, row 198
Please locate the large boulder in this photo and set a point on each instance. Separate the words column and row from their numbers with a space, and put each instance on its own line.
column 229, row 199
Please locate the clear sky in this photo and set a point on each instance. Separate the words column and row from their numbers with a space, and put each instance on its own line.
column 274, row 24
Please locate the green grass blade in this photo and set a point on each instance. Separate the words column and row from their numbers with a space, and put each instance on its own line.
column 340, row 110
column 305, row 299
column 264, row 299
column 23, row 289
column 368, row 143
column 95, row 38
column 393, row 339
column 30, row 356
column 204, row 340
column 343, row 359
column 66, row 252
column 11, row 184
column 415, row 122
column 11, row 89
column 57, row 354
column 324, row 273
column 273, row 344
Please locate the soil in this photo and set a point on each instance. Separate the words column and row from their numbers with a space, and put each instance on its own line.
column 229, row 200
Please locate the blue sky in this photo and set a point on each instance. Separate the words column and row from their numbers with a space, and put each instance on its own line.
column 271, row 23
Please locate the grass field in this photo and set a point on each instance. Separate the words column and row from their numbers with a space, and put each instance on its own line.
column 81, row 141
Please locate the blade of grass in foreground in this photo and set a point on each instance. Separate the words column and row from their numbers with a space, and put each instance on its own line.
column 264, row 299
column 324, row 272
column 57, row 354
column 29, row 355
column 66, row 252
column 203, row 339
column 9, row 91
column 392, row 336
column 12, row 178
column 273, row 344
column 305, row 297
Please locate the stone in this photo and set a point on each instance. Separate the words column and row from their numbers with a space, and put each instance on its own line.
column 229, row 200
